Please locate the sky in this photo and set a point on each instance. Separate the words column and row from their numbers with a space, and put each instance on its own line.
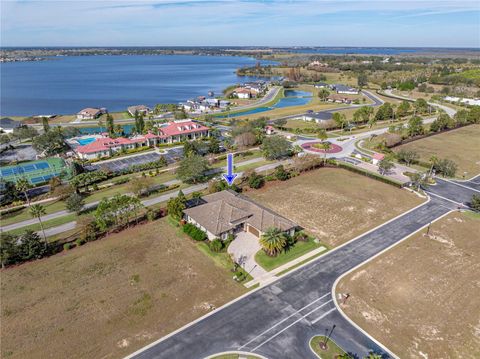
column 391, row 23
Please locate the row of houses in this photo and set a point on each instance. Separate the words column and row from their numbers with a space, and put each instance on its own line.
column 202, row 104
column 337, row 98
column 171, row 132
column 339, row 88
column 250, row 90
column 91, row 113
column 466, row 101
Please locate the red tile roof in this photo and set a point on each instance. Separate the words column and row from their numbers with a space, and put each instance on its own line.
column 172, row 129
column 378, row 156
column 181, row 127
column 103, row 144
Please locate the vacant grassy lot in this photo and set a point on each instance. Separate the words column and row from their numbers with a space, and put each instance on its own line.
column 421, row 298
column 335, row 205
column 461, row 146
column 110, row 297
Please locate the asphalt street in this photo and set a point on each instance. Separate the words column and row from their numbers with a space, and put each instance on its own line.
column 278, row 320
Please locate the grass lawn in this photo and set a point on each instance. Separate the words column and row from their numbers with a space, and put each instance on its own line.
column 46, row 224
column 332, row 348
column 252, row 165
column 420, row 298
column 298, row 250
column 108, row 298
column 461, row 146
column 300, row 124
column 24, row 214
column 335, row 205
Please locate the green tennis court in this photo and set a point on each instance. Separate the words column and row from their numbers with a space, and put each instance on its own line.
column 37, row 172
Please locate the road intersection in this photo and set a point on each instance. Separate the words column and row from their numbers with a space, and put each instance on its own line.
column 278, row 320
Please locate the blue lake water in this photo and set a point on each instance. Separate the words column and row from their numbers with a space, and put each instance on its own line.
column 65, row 85
column 292, row 98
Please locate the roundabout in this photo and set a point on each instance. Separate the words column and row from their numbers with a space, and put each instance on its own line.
column 315, row 146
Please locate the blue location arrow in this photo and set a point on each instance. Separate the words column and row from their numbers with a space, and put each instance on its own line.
column 230, row 176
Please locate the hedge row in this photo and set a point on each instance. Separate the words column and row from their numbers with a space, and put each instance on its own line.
column 194, row 232
column 373, row 175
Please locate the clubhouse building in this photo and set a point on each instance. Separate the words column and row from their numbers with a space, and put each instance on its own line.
column 172, row 132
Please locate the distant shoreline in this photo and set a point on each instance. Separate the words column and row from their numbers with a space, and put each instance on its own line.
column 22, row 54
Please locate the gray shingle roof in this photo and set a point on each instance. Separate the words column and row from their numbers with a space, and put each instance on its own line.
column 226, row 209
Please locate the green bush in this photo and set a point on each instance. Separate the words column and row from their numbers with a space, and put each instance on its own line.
column 79, row 242
column 216, row 245
column 67, row 246
column 255, row 181
column 195, row 233
column 121, row 181
column 281, row 174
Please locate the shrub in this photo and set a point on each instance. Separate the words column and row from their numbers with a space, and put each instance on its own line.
column 216, row 245
column 281, row 174
column 79, row 242
column 67, row 246
column 301, row 236
column 121, row 181
column 195, row 233
column 255, row 181
column 150, row 215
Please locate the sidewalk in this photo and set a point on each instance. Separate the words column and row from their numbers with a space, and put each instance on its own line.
column 272, row 275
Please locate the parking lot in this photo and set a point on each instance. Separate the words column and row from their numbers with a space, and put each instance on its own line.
column 121, row 164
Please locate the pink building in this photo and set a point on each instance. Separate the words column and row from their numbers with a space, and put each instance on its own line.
column 172, row 132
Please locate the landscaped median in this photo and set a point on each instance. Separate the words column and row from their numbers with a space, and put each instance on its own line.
column 326, row 348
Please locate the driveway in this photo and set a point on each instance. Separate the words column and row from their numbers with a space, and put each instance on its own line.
column 243, row 249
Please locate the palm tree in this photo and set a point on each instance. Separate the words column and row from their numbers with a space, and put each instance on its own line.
column 23, row 185
column 37, row 211
column 325, row 147
column 273, row 241
column 433, row 160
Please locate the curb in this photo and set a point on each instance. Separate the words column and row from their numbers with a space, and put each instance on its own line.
column 381, row 345
column 256, row 289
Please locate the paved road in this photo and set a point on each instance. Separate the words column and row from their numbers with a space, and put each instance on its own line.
column 449, row 110
column 147, row 202
column 278, row 320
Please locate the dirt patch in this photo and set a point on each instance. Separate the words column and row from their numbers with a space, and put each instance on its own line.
column 461, row 146
column 335, row 205
column 421, row 298
column 110, row 297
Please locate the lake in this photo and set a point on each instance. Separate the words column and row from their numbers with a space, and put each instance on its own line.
column 65, row 85
column 292, row 98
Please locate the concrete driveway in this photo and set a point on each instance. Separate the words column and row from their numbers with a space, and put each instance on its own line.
column 243, row 249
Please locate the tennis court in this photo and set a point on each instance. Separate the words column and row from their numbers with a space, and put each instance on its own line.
column 36, row 172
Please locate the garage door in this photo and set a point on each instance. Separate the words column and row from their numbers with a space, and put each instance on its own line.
column 253, row 231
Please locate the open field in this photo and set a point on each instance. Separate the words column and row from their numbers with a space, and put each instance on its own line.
column 110, row 297
column 335, row 205
column 461, row 146
column 420, row 298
